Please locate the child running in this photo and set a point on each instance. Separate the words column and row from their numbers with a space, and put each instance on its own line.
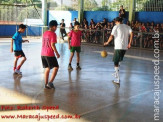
column 16, row 46
column 49, row 60
column 74, row 45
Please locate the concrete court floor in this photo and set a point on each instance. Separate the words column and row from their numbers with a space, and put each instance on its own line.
column 89, row 93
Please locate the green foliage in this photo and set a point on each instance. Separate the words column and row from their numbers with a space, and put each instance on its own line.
column 104, row 3
column 17, row 1
column 65, row 8
column 52, row 5
column 89, row 5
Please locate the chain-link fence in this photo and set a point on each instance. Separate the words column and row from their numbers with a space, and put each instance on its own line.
column 15, row 14
column 149, row 5
column 106, row 5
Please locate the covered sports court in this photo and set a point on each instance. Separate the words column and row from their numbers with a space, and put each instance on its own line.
column 88, row 95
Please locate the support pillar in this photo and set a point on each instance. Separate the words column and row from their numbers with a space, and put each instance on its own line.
column 81, row 11
column 44, row 15
column 132, row 10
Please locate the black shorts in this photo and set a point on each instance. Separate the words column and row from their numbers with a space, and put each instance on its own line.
column 49, row 62
column 118, row 55
column 19, row 53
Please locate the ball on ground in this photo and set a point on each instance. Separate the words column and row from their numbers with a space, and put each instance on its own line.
column 104, row 54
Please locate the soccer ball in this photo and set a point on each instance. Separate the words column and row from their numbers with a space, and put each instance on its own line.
column 104, row 54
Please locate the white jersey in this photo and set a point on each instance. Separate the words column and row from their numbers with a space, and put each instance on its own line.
column 121, row 35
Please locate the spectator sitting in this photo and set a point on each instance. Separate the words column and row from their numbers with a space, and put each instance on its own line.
column 152, row 25
column 92, row 32
column 128, row 23
column 104, row 22
column 85, row 22
column 75, row 21
column 92, row 22
column 137, row 24
column 71, row 27
column 143, row 28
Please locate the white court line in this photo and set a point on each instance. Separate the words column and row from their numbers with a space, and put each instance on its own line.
column 94, row 110
column 130, row 56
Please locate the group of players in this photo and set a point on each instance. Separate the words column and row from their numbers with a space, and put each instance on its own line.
column 49, row 53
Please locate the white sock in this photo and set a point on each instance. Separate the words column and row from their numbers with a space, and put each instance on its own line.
column 117, row 72
column 119, row 64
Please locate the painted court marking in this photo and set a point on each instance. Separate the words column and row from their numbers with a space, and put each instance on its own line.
column 130, row 56
column 97, row 109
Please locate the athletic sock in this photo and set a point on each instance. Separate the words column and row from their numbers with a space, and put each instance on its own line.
column 117, row 72
column 69, row 64
column 18, row 68
column 119, row 64
column 14, row 68
column 77, row 64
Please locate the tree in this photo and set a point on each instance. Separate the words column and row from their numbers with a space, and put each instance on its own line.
column 90, row 5
column 12, row 2
column 52, row 5
column 116, row 5
column 104, row 4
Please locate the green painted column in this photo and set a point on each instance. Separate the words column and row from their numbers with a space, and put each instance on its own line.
column 44, row 15
column 132, row 10
column 81, row 11
column 44, row 12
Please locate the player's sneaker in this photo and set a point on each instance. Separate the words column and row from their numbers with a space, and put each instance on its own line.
column 18, row 72
column 117, row 81
column 78, row 67
column 70, row 67
column 47, row 86
column 115, row 75
column 51, row 85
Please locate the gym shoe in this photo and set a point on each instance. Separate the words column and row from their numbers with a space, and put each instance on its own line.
column 117, row 81
column 78, row 67
column 18, row 72
column 70, row 67
column 51, row 85
column 115, row 75
column 47, row 86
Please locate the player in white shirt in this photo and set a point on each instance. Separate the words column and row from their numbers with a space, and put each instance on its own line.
column 120, row 33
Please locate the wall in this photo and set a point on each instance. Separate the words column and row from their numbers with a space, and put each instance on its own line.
column 98, row 16
column 9, row 30
column 68, row 16
column 157, row 17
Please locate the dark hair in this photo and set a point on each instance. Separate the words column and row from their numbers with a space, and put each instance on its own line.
column 22, row 26
column 53, row 23
column 76, row 23
column 62, row 19
column 119, row 19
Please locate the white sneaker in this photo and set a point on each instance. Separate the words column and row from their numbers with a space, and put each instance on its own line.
column 18, row 72
column 115, row 75
column 117, row 81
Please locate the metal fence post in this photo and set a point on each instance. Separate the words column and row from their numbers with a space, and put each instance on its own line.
column 103, row 36
column 141, row 40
